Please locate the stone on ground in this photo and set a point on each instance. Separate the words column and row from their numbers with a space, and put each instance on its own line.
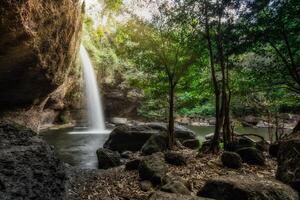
column 251, row 156
column 153, row 168
column 146, row 186
column 156, row 143
column 175, row 187
column 174, row 158
column 108, row 158
column 248, row 188
column 231, row 160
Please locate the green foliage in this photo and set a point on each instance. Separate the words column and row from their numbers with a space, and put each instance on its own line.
column 142, row 52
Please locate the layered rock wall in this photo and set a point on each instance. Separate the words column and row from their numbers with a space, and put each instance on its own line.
column 38, row 50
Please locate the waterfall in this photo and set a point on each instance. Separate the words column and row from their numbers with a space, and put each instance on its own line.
column 93, row 101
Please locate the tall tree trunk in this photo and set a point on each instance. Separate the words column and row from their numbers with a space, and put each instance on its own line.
column 171, row 115
column 214, row 147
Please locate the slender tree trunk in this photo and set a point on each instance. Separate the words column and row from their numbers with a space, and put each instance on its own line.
column 171, row 116
column 214, row 147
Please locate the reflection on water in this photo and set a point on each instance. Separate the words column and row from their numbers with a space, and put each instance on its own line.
column 76, row 149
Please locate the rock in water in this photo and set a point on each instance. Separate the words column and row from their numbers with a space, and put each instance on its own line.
column 169, row 196
column 29, row 168
column 132, row 138
column 251, row 156
column 182, row 133
column 153, row 168
column 129, row 138
column 108, row 158
column 174, row 158
column 231, row 160
column 247, row 188
column 288, row 158
column 156, row 143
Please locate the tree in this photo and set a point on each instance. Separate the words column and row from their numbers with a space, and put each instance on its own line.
column 272, row 26
column 162, row 50
column 215, row 24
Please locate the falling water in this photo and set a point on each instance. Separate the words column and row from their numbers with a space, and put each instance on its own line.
column 93, row 100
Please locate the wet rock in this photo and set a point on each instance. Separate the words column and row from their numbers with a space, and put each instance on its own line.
column 231, row 160
column 153, row 168
column 251, row 156
column 170, row 196
column 174, row 158
column 175, row 187
column 146, row 186
column 156, row 143
column 288, row 158
column 191, row 143
column 29, row 168
column 247, row 187
column 108, row 158
column 133, row 164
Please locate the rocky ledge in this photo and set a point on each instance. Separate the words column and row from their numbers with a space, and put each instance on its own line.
column 28, row 166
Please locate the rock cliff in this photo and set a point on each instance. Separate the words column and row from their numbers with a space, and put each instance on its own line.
column 38, row 51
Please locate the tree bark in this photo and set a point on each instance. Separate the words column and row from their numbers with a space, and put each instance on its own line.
column 214, row 146
column 171, row 116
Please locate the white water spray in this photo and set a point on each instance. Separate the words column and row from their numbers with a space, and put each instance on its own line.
column 96, row 124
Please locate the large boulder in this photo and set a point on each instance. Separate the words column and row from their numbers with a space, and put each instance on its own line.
column 241, row 142
column 132, row 138
column 251, row 156
column 153, row 168
column 288, row 158
column 247, row 187
column 156, row 143
column 108, row 158
column 29, row 168
column 38, row 49
column 171, row 196
column 231, row 160
column 129, row 138
column 182, row 133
